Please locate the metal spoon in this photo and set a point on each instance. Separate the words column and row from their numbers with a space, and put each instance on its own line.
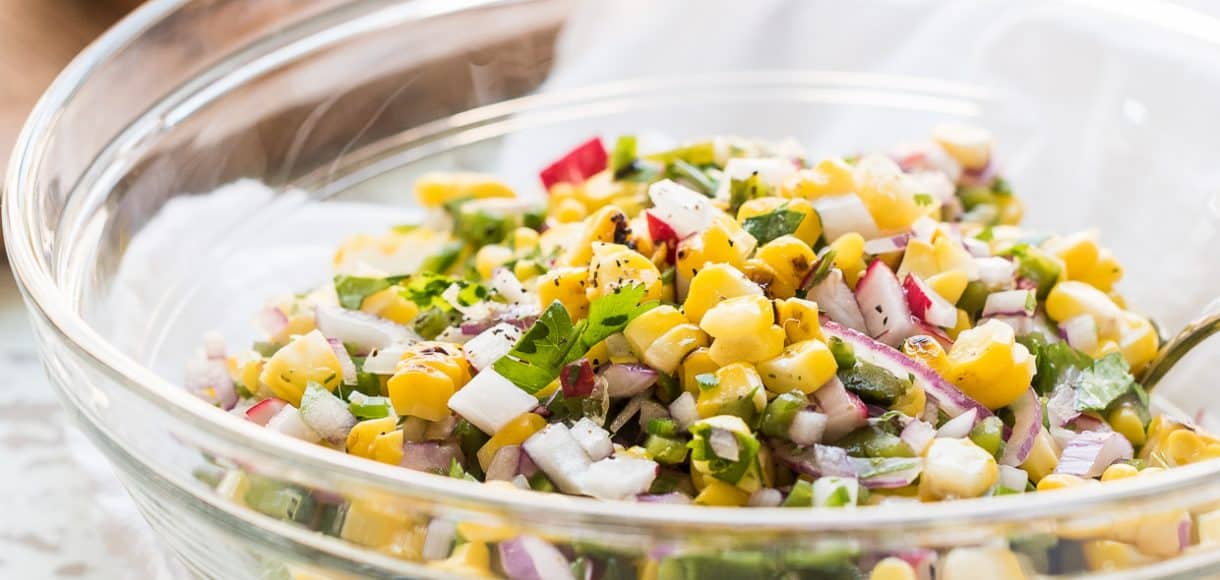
column 1191, row 335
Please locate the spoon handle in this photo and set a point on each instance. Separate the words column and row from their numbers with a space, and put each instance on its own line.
column 1194, row 333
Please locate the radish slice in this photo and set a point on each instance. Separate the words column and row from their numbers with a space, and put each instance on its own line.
column 558, row 454
column 593, row 439
column 288, row 421
column 884, row 305
column 843, row 214
column 945, row 396
column 585, row 161
column 886, row 245
column 619, row 477
column 1080, row 332
column 661, row 233
column 530, row 558
column 262, row 412
column 996, row 273
column 1027, row 423
column 844, row 411
column 927, row 305
column 628, row 380
column 363, row 331
column 1011, row 303
column 326, row 414
column 1088, row 454
column 918, row 434
column 490, row 401
column 491, row 345
column 683, row 210
column 959, row 426
column 346, row 364
column 837, row 301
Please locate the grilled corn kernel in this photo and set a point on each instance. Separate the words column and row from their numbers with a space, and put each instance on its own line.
column 361, row 438
column 849, row 256
column 804, row 366
column 799, row 319
column 719, row 493
column 957, row 468
column 1128, row 422
column 437, row 189
column 614, row 266
column 831, row 176
column 490, row 257
column 790, row 259
column 887, row 193
column 608, row 224
column 927, row 350
column 919, row 258
column 1078, row 251
column 390, row 305
column 723, row 242
column 1119, row 471
column 892, row 569
column 370, row 523
column 1070, row 298
column 963, row 324
column 308, row 358
column 698, row 362
column 387, row 448
column 767, row 344
column 421, row 391
column 810, row 228
column 737, row 385
column 513, row 433
column 713, row 285
column 1137, row 341
column 667, row 352
column 646, row 328
column 989, row 365
column 1060, row 481
column 568, row 286
column 950, row 284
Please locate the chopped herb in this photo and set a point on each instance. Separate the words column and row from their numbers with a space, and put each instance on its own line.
column 703, row 153
column 986, row 235
column 404, row 228
column 772, row 225
column 924, row 199
column 441, row 261
column 352, row 290
column 457, row 472
column 845, row 355
column 1036, row 266
column 707, row 381
column 693, row 176
column 820, row 271
column 1058, row 364
column 800, row 496
column 1103, row 383
column 743, row 190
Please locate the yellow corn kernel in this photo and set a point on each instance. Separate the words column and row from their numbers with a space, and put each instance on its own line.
column 364, row 434
column 1070, row 298
column 742, row 315
column 390, row 305
column 567, row 285
column 956, row 468
column 919, row 258
column 1043, row 457
column 886, row 192
column 308, row 358
column 951, row 255
column 1108, row 555
column 712, row 285
column 608, row 224
column 950, row 284
column 420, row 390
column 1127, row 421
column 471, row 559
column 799, row 319
column 1182, row 446
column 1137, row 341
column 667, row 352
column 892, row 569
column 993, row 562
column 928, row 351
column 719, row 493
column 599, row 354
column 736, row 384
column 437, row 189
column 831, row 176
column 803, row 366
column 698, row 362
column 248, row 372
column 387, row 448
column 526, row 269
column 443, row 356
column 525, row 239
column 849, row 256
column 1060, row 481
column 767, row 344
column 646, row 328
column 963, row 324
column 1104, row 274
column 723, row 242
column 986, row 363
column 570, row 210
column 490, row 257
column 912, row 402
column 791, row 259
column 1077, row 251
column 486, row 533
column 614, row 266
column 1119, row 471
column 968, row 145
column 370, row 523
column 810, row 228
column 515, row 432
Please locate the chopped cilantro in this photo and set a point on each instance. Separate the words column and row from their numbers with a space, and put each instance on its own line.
column 457, row 472
column 986, row 235
column 820, row 271
column 352, row 290
column 1058, row 364
column 404, row 228
column 1104, row 382
column 1035, row 265
column 703, row 153
column 772, row 225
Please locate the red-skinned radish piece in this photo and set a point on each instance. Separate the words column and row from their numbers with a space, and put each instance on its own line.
column 836, row 301
column 576, row 166
column 927, row 305
column 884, row 305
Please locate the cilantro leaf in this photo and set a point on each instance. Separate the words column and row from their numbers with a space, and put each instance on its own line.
column 352, row 290
column 743, row 190
column 425, row 290
column 609, row 315
column 1058, row 364
column 769, row 226
column 1103, row 383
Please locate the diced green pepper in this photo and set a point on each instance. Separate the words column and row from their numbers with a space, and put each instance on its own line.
column 974, row 297
column 777, row 417
column 845, row 355
column 874, row 384
column 801, row 495
column 989, row 434
column 666, row 450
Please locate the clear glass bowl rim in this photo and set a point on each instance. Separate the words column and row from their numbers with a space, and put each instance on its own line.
column 47, row 301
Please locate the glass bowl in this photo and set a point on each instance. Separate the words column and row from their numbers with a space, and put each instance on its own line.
column 205, row 155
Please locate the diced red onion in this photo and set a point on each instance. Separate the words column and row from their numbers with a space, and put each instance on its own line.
column 927, row 305
column 327, row 415
column 289, row 422
column 1061, row 406
column 684, row 210
column 1013, row 478
column 438, row 540
column 1088, row 454
column 1010, row 303
column 490, row 401
column 1085, row 422
column 918, row 435
column 526, row 465
column 844, row 411
column 503, row 465
column 945, row 396
column 560, row 456
column 628, row 380
column 262, row 412
column 980, row 177
column 891, row 472
column 576, row 166
column 440, row 430
column 491, row 345
column 927, row 156
column 884, row 305
column 272, row 321
column 1080, row 332
column 818, row 460
column 530, row 558
column 724, row 444
column 619, row 477
column 683, row 410
column 673, row 497
column 836, row 300
column 923, row 228
column 959, row 426
column 1027, row 423
column 886, row 245
column 808, row 427
column 593, row 439
column 361, row 330
column 843, row 214
column 430, row 456
column 345, row 361
column 650, row 410
column 765, row 497
column 996, row 273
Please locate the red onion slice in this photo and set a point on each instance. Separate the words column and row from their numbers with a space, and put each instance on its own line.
column 1027, row 423
column 1061, row 406
column 628, row 380
column 503, row 465
column 886, row 245
column 818, row 460
column 346, row 364
column 1088, row 454
column 808, row 427
column 683, row 410
column 1080, row 332
column 884, row 305
column 888, row 472
column 959, row 426
column 262, row 412
column 430, row 456
column 845, row 412
column 918, row 435
column 531, row 558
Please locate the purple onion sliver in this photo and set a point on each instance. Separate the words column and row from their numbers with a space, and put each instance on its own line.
column 1027, row 423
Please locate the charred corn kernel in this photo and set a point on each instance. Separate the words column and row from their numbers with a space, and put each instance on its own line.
column 425, row 379
column 387, row 448
column 608, row 224
column 445, row 356
column 437, row 189
column 471, row 559
column 767, row 344
column 667, row 352
column 307, row 358
column 614, row 266
column 1137, row 341
column 963, row 324
column 950, row 284
column 364, row 434
column 804, row 366
column 486, row 533
column 989, row 365
column 490, row 257
column 1127, row 421
column 994, row 562
column 570, row 210
column 957, row 468
column 567, row 285
column 723, row 242
column 927, row 350
column 1208, row 526
column 713, row 285
column 525, row 239
column 892, row 569
column 1043, row 457
column 831, row 176
column 1060, row 481
column 799, row 319
column 968, row 145
column 791, row 259
column 849, row 256
column 390, row 305
column 1118, row 471
column 810, row 228
column 742, row 315
column 1108, row 555
column 719, row 493
column 513, row 433
column 886, row 192
column 369, row 523
column 919, row 258
column 698, row 362
column 736, row 385
column 1070, row 298
column 1106, row 272
column 912, row 402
